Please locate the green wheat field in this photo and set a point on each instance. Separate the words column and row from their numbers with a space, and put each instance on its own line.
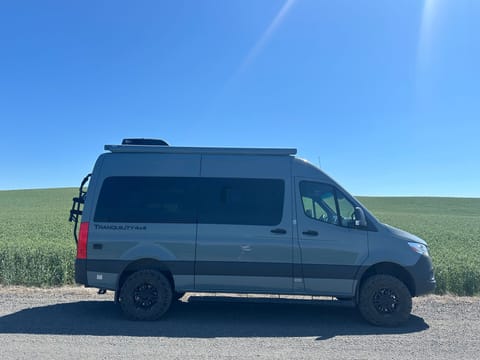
column 37, row 246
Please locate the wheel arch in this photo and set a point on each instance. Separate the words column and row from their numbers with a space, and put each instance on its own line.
column 387, row 268
column 143, row 264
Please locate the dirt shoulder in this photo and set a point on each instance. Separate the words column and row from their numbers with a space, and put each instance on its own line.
column 74, row 321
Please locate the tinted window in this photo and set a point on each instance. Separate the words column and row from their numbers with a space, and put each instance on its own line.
column 177, row 200
column 146, row 200
column 241, row 201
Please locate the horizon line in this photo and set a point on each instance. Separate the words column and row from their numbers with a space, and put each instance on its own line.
column 355, row 195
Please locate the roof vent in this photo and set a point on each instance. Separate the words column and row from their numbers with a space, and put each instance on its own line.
column 141, row 141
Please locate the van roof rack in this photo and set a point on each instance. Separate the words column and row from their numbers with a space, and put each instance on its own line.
column 129, row 148
column 143, row 141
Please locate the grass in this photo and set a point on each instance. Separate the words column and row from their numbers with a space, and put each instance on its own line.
column 37, row 246
column 451, row 226
column 36, row 241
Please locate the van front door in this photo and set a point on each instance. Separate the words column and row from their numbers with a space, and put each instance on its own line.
column 332, row 246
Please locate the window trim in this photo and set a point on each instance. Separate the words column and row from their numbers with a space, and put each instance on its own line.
column 335, row 192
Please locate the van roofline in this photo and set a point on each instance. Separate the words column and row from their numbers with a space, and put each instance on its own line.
column 198, row 150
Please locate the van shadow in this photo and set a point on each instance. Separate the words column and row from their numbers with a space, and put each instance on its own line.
column 203, row 317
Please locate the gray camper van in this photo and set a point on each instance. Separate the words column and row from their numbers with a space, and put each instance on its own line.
column 158, row 221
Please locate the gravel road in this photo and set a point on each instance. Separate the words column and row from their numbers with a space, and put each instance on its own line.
column 74, row 322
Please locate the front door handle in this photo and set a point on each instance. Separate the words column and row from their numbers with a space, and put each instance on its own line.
column 278, row 231
column 310, row 233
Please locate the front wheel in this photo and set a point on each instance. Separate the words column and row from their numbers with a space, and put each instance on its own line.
column 385, row 301
column 145, row 295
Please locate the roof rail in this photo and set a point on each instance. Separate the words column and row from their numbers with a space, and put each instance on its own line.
column 198, row 150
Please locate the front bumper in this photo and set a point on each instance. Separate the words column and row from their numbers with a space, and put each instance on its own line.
column 423, row 276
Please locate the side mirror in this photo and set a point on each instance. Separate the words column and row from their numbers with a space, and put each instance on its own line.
column 360, row 219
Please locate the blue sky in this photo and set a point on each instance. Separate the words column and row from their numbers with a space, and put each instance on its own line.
column 385, row 95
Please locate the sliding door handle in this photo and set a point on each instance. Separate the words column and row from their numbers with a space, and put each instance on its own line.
column 310, row 233
column 278, row 231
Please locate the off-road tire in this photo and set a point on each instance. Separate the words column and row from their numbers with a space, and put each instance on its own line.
column 145, row 295
column 385, row 301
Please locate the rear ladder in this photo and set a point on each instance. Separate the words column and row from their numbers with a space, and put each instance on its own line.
column 77, row 206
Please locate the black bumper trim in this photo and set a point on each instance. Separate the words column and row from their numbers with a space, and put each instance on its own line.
column 81, row 271
column 423, row 276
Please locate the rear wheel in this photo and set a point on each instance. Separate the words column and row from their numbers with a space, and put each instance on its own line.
column 385, row 301
column 145, row 295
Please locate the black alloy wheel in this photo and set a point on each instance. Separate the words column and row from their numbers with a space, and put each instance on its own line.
column 385, row 301
column 145, row 295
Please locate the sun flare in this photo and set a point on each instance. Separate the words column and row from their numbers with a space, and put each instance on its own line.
column 430, row 9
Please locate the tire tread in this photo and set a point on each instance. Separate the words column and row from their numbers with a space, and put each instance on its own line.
column 367, row 309
column 165, row 295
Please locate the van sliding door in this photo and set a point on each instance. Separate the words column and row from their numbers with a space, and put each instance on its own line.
column 244, row 234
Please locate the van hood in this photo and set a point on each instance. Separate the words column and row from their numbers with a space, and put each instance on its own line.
column 401, row 234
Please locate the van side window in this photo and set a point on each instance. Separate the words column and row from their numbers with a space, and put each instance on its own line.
column 319, row 201
column 325, row 203
column 346, row 210
column 241, row 201
column 132, row 199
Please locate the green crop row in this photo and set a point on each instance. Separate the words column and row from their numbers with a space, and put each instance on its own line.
column 36, row 241
column 451, row 228
column 37, row 247
column 29, row 264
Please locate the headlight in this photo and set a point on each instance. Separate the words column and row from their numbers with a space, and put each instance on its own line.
column 419, row 248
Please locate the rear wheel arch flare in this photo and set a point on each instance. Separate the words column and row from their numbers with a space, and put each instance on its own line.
column 144, row 264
